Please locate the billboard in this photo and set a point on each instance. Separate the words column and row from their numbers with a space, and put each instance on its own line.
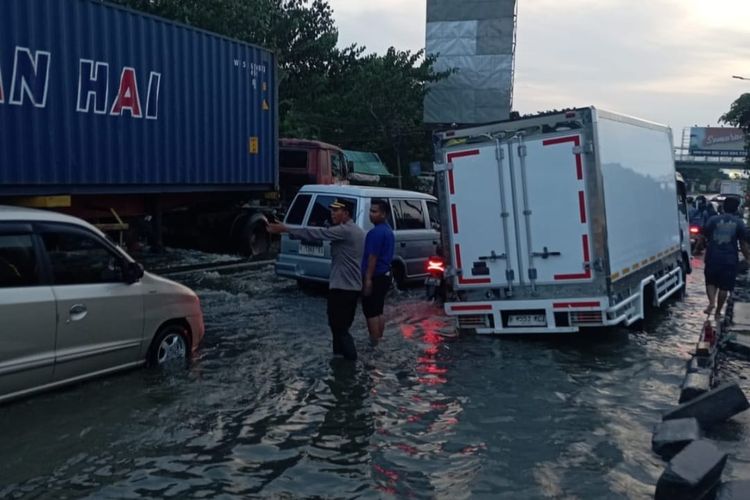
column 474, row 39
column 717, row 141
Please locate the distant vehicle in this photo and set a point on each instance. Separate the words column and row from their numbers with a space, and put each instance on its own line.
column 74, row 306
column 735, row 187
column 718, row 200
column 414, row 219
column 559, row 222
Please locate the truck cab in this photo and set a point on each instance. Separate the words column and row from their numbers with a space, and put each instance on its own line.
column 303, row 161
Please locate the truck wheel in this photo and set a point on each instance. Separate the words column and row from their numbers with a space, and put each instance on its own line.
column 255, row 239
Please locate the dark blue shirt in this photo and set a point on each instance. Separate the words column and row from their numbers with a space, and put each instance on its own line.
column 381, row 242
column 722, row 233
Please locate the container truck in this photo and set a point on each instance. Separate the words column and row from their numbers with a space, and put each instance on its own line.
column 559, row 222
column 111, row 114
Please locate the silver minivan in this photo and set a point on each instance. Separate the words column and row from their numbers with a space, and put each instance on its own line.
column 74, row 306
column 414, row 219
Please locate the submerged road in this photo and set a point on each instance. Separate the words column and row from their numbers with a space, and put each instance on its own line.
column 264, row 411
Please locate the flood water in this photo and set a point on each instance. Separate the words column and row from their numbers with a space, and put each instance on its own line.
column 265, row 412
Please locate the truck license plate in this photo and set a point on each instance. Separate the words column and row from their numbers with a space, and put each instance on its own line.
column 527, row 320
column 312, row 250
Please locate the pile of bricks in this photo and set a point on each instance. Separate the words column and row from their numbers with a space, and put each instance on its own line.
column 696, row 464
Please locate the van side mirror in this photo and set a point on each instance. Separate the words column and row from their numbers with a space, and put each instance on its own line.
column 132, row 272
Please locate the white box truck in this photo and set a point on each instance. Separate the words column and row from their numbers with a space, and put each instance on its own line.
column 559, row 221
column 735, row 187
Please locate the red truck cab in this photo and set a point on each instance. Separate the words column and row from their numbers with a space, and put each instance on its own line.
column 303, row 161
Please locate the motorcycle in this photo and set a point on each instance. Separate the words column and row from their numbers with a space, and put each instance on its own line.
column 697, row 240
column 434, row 288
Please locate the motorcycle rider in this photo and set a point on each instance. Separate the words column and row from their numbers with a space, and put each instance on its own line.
column 699, row 215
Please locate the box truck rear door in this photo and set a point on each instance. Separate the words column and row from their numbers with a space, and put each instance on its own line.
column 480, row 209
column 552, row 209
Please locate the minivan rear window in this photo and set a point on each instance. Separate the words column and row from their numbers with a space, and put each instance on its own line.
column 321, row 213
column 298, row 209
column 409, row 214
column 18, row 264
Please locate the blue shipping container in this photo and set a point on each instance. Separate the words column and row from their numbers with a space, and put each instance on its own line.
column 95, row 98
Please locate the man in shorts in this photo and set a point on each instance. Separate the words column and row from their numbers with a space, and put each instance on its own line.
column 376, row 268
column 723, row 233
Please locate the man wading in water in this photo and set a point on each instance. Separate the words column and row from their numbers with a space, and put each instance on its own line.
column 723, row 233
column 345, row 284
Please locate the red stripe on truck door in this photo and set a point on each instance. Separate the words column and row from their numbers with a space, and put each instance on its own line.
column 454, row 215
column 457, row 154
column 586, row 261
column 582, row 206
column 586, row 257
column 576, row 140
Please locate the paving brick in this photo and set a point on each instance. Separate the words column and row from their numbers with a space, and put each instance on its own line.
column 694, row 385
column 712, row 407
column 693, row 473
column 672, row 436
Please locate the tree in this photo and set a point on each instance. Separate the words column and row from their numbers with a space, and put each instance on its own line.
column 739, row 116
column 377, row 105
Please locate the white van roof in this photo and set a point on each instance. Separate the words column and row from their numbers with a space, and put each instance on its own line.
column 363, row 191
column 12, row 213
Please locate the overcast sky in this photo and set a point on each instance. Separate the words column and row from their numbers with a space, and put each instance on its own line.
column 668, row 61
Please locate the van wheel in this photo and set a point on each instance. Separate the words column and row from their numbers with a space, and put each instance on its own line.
column 170, row 347
column 398, row 276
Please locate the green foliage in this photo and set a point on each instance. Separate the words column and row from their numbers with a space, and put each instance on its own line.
column 377, row 106
column 739, row 116
column 371, row 103
column 739, row 113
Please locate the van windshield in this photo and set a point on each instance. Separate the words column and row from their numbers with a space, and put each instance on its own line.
column 320, row 216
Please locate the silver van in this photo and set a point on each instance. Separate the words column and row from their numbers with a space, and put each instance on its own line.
column 414, row 219
column 74, row 306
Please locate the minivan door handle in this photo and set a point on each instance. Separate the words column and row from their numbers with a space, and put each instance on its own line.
column 403, row 244
column 77, row 312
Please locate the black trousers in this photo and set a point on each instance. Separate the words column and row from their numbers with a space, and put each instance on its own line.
column 342, row 306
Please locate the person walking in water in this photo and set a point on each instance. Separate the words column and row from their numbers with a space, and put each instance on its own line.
column 345, row 283
column 723, row 233
column 376, row 268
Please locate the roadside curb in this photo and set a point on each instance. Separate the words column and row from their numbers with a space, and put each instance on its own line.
column 695, row 464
